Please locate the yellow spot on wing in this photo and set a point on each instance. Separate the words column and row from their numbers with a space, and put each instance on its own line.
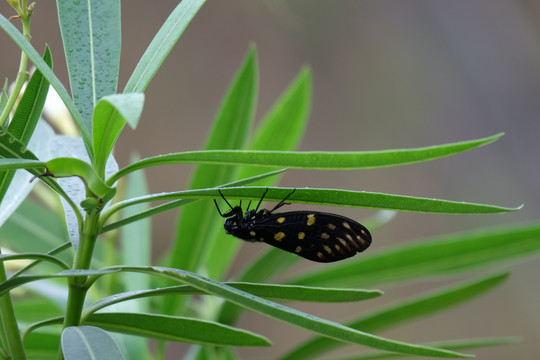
column 252, row 233
column 346, row 225
column 279, row 236
column 321, row 256
column 310, row 219
column 281, row 220
column 325, row 235
column 298, row 249
column 301, row 235
column 332, row 226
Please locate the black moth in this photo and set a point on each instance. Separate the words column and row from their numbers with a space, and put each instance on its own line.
column 316, row 236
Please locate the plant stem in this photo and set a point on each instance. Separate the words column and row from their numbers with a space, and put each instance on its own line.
column 77, row 286
column 22, row 74
column 9, row 322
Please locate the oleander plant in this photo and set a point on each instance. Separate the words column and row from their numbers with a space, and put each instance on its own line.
column 76, row 276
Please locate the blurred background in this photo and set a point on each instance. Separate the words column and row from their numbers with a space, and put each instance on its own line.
column 387, row 74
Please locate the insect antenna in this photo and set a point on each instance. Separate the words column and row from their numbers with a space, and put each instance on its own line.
column 217, row 206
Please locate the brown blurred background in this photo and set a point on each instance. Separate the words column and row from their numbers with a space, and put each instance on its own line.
column 387, row 74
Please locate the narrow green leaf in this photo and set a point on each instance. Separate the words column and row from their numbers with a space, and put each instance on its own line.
column 162, row 44
column 291, row 316
column 4, row 96
column 269, row 291
column 403, row 311
column 181, row 329
column 20, row 40
column 89, row 343
column 30, row 106
column 229, row 131
column 110, row 115
column 434, row 257
column 170, row 205
column 34, row 256
column 21, row 280
column 91, row 36
column 450, row 345
column 311, row 159
column 280, row 129
column 331, row 197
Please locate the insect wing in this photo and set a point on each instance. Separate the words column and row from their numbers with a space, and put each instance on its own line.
column 316, row 236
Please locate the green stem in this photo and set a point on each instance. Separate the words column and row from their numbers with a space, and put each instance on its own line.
column 22, row 74
column 9, row 322
column 78, row 286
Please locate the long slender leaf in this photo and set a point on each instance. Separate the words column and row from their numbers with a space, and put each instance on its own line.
column 91, row 36
column 288, row 315
column 29, row 110
column 176, row 329
column 311, row 159
column 25, row 279
column 439, row 256
column 325, row 197
column 403, row 311
column 270, row 291
column 162, row 44
column 450, row 345
column 34, row 256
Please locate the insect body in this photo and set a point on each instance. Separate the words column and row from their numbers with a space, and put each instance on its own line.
column 316, row 236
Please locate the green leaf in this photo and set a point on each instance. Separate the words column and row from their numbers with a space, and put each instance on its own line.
column 89, row 343
column 331, row 197
column 228, row 132
column 270, row 291
column 162, row 44
column 450, row 345
column 4, row 96
column 176, row 329
column 34, row 256
column 68, row 167
column 169, row 205
column 108, row 120
column 291, row 316
column 20, row 40
column 12, row 283
column 310, row 159
column 91, row 36
column 403, row 311
column 281, row 129
column 444, row 255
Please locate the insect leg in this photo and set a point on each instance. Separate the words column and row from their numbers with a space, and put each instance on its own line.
column 260, row 201
column 282, row 202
